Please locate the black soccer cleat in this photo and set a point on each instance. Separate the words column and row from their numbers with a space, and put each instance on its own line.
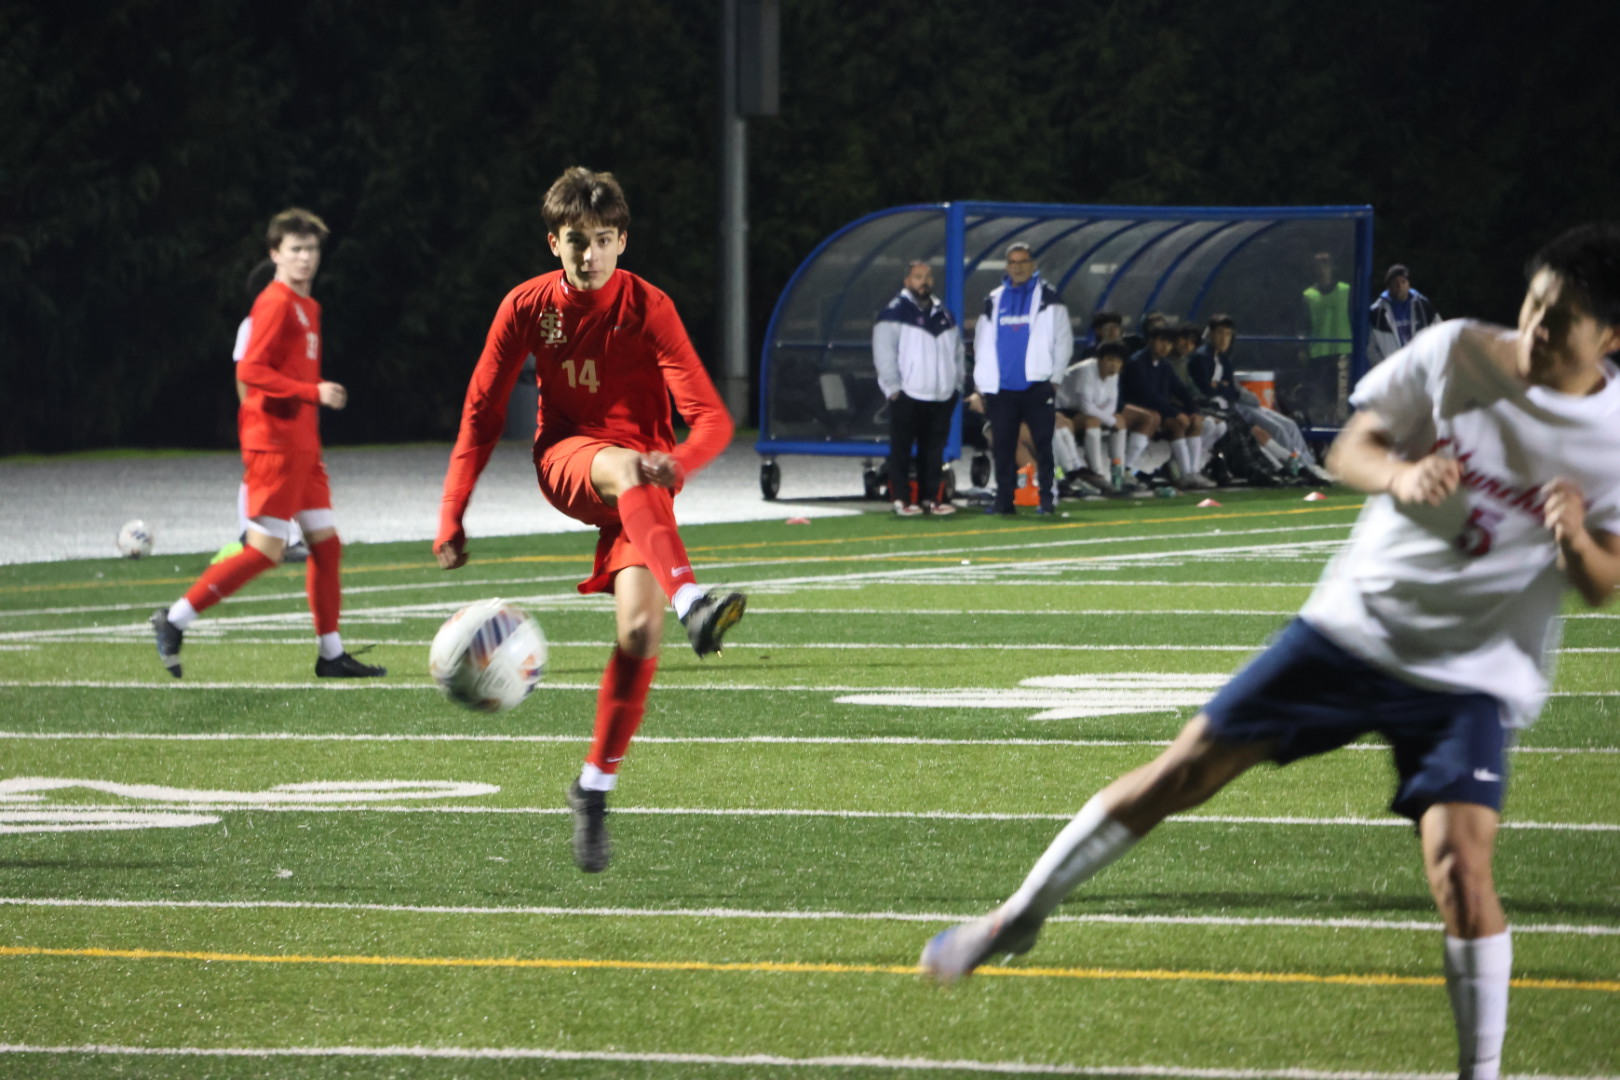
column 168, row 638
column 346, row 667
column 708, row 619
column 592, row 850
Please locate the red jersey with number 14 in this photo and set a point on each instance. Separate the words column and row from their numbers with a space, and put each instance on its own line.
column 282, row 371
column 607, row 362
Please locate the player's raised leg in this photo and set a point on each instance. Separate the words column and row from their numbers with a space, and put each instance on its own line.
column 621, row 703
column 1188, row 772
column 222, row 579
column 1458, row 842
column 640, row 486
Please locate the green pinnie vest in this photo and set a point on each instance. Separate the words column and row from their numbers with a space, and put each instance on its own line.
column 1330, row 318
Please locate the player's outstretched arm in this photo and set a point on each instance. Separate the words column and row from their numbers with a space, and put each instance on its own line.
column 1590, row 559
column 1361, row 458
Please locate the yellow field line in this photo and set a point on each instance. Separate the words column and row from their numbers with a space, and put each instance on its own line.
column 767, row 967
column 1045, row 528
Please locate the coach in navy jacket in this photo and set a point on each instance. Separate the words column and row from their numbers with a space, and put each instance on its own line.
column 1021, row 348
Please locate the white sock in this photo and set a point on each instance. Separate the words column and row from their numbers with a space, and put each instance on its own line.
column 1181, row 450
column 685, row 596
column 1275, row 452
column 1116, row 447
column 1065, row 454
column 1135, row 444
column 331, row 645
column 593, row 779
column 1086, row 845
column 1213, row 430
column 1477, row 973
column 182, row 614
column 1094, row 453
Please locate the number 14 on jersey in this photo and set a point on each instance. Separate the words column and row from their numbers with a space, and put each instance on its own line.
column 584, row 375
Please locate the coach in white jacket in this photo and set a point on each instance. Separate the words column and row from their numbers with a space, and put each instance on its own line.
column 917, row 350
column 1021, row 348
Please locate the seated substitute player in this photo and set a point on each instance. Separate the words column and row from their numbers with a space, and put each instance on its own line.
column 1093, row 386
column 279, row 427
column 609, row 351
column 1493, row 460
column 1147, row 382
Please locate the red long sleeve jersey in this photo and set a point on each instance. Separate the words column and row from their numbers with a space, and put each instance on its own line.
column 606, row 361
column 282, row 371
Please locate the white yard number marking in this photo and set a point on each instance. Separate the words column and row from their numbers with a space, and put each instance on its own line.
column 27, row 791
column 586, row 376
column 1063, row 697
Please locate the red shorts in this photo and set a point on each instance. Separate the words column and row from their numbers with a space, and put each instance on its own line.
column 564, row 472
column 282, row 485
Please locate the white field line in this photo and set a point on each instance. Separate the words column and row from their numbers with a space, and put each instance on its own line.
column 839, row 1061
column 391, row 684
column 573, row 601
column 748, row 914
column 785, row 740
column 739, row 812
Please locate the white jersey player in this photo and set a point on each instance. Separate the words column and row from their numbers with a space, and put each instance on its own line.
column 1493, row 459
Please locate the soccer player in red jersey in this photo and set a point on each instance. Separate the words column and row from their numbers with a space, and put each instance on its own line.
column 281, row 453
column 609, row 352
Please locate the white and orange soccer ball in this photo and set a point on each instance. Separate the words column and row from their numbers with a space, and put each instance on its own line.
column 488, row 656
column 135, row 540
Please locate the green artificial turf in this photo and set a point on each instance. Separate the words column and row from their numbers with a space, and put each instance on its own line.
column 906, row 716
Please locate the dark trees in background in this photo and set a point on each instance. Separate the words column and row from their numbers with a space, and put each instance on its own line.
column 145, row 144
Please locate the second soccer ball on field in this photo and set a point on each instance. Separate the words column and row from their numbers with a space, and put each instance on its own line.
column 134, row 540
column 488, row 656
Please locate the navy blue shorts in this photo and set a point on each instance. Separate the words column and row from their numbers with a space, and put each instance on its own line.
column 1311, row 696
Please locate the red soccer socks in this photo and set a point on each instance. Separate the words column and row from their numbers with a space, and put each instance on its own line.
column 324, row 583
column 224, row 578
column 648, row 513
column 620, row 704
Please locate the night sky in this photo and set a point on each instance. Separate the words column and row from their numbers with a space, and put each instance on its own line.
column 147, row 143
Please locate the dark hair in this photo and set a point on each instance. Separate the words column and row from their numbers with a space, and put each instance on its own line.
column 1221, row 319
column 295, row 222
column 1113, row 348
column 1106, row 318
column 582, row 197
column 1153, row 319
column 1586, row 257
column 259, row 277
column 1187, row 329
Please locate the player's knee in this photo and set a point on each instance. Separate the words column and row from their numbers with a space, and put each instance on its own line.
column 1461, row 880
column 641, row 637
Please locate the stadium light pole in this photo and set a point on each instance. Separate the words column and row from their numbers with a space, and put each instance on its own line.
column 749, row 87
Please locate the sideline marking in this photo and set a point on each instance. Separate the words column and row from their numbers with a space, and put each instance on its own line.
column 1045, row 528
column 836, row 1061
column 777, row 967
column 1575, row 929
